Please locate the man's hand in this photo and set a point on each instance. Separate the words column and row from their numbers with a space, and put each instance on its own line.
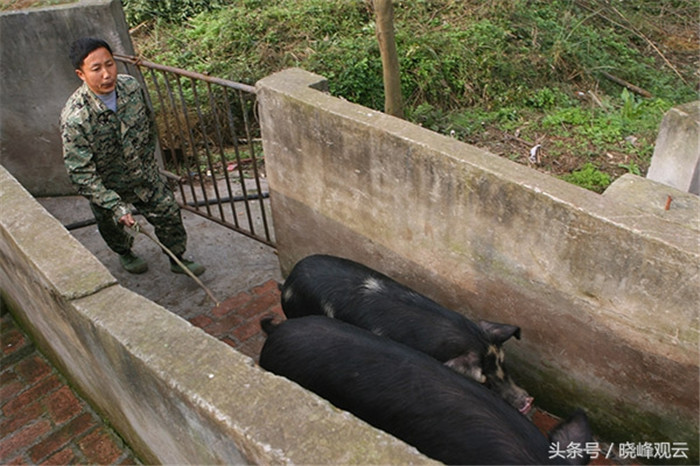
column 127, row 220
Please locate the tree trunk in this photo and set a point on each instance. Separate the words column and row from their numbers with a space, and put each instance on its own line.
column 393, row 102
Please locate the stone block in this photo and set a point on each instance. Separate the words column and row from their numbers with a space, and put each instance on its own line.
column 27, row 230
column 660, row 200
column 676, row 159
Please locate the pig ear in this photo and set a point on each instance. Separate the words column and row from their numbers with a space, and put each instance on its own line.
column 499, row 333
column 268, row 325
column 468, row 364
column 576, row 429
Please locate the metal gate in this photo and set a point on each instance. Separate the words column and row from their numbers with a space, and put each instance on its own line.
column 210, row 141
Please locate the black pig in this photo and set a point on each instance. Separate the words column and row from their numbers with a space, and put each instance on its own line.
column 404, row 392
column 351, row 292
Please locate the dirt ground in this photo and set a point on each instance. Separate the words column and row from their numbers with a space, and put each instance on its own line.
column 517, row 149
column 234, row 262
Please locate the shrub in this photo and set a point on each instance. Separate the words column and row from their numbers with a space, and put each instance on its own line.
column 589, row 177
column 470, row 69
column 171, row 11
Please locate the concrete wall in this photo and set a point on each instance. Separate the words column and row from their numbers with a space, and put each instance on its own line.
column 36, row 79
column 606, row 293
column 676, row 159
column 176, row 394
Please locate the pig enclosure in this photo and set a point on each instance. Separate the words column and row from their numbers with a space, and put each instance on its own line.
column 605, row 293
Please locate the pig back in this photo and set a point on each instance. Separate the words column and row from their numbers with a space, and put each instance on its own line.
column 408, row 394
column 356, row 294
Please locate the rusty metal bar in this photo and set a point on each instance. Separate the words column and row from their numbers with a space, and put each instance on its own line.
column 205, row 126
column 239, row 230
column 251, row 145
column 164, row 107
column 220, row 145
column 239, row 164
column 207, row 152
column 181, row 138
column 193, row 145
column 190, row 74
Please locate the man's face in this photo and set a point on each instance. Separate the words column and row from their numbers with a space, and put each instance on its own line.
column 99, row 71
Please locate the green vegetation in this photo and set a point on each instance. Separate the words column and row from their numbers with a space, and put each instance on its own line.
column 504, row 75
column 589, row 177
column 170, row 11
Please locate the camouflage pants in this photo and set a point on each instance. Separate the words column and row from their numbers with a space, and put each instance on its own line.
column 160, row 210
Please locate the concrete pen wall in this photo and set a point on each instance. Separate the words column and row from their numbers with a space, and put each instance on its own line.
column 606, row 293
column 174, row 393
column 36, row 79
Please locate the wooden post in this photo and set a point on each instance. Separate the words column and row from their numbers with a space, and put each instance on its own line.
column 393, row 101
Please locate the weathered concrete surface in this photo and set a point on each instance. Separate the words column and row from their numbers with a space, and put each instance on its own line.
column 606, row 294
column 234, row 263
column 652, row 197
column 177, row 395
column 676, row 159
column 36, row 79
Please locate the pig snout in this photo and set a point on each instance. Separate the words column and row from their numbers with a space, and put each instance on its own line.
column 522, row 400
column 504, row 386
column 509, row 391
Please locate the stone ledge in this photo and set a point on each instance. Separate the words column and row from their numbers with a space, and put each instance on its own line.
column 175, row 393
column 55, row 257
column 651, row 197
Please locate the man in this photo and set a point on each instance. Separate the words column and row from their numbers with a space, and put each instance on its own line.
column 109, row 139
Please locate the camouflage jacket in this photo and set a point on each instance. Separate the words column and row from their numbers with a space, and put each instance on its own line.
column 110, row 156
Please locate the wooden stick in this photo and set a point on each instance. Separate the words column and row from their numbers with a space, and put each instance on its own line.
column 622, row 82
column 137, row 228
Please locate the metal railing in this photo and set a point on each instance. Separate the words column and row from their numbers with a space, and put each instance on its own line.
column 210, row 141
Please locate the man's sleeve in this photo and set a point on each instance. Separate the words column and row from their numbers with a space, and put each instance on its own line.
column 78, row 158
column 150, row 128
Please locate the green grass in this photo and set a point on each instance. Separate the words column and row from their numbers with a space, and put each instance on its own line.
column 471, row 69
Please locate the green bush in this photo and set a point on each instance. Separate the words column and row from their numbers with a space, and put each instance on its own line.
column 452, row 54
column 170, row 11
column 468, row 68
column 589, row 177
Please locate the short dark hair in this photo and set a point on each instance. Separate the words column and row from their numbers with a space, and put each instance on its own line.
column 83, row 47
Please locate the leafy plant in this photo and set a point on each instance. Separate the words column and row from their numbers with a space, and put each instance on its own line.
column 544, row 98
column 589, row 177
column 631, row 168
